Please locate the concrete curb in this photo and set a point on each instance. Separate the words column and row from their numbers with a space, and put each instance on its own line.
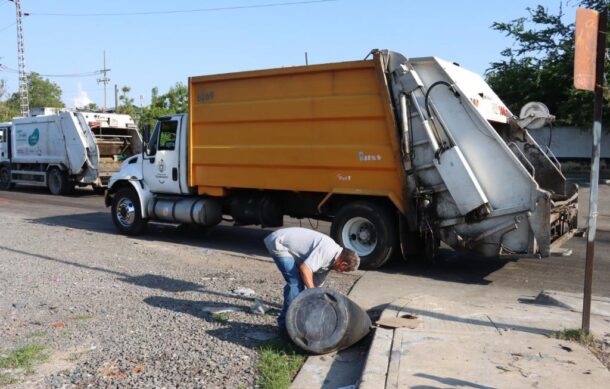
column 377, row 365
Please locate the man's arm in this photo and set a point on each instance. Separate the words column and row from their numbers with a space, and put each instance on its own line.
column 306, row 275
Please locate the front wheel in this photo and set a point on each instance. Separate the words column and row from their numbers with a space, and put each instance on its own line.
column 368, row 229
column 5, row 178
column 127, row 212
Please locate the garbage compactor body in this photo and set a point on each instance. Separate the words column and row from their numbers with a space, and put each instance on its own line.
column 475, row 178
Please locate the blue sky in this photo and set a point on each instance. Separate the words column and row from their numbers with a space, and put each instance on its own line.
column 144, row 51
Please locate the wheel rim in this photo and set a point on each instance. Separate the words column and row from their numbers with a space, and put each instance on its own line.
column 126, row 212
column 360, row 235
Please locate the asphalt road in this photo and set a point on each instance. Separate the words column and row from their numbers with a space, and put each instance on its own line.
column 86, row 210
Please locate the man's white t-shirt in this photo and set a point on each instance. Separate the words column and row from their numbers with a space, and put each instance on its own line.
column 313, row 248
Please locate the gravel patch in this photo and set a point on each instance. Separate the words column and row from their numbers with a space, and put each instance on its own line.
column 124, row 312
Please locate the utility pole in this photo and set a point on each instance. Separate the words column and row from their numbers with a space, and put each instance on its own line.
column 116, row 97
column 24, row 102
column 104, row 80
column 589, row 61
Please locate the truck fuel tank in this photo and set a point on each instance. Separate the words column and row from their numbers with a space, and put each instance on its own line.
column 203, row 211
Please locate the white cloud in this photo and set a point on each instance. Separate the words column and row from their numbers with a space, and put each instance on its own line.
column 82, row 99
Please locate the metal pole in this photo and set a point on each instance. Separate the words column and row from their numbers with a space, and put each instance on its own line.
column 306, row 59
column 116, row 97
column 597, row 134
column 104, row 80
column 24, row 101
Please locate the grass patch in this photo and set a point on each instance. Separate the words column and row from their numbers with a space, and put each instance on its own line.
column 220, row 317
column 597, row 347
column 5, row 379
column 24, row 358
column 278, row 363
column 574, row 335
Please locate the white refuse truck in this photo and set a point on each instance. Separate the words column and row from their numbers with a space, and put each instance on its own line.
column 66, row 149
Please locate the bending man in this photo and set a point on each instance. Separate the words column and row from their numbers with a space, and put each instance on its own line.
column 304, row 258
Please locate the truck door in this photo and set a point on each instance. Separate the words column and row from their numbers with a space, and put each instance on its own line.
column 161, row 158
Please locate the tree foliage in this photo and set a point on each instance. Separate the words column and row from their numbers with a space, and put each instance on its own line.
column 6, row 112
column 172, row 102
column 540, row 66
column 93, row 107
column 126, row 103
column 41, row 93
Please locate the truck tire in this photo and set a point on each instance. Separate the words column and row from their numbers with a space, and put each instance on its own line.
column 368, row 229
column 127, row 212
column 5, row 178
column 57, row 181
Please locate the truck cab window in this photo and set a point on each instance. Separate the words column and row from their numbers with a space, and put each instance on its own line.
column 2, row 135
column 167, row 135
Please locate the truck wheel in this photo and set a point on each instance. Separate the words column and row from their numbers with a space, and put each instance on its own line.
column 57, row 181
column 368, row 229
column 5, row 178
column 127, row 212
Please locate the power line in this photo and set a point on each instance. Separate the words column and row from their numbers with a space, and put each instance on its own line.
column 84, row 74
column 7, row 27
column 144, row 13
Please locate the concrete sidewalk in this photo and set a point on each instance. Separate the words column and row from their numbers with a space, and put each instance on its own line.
column 497, row 344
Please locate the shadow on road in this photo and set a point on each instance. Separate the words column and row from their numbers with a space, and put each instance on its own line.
column 498, row 326
column 232, row 331
column 76, row 193
column 151, row 281
column 241, row 240
column 452, row 266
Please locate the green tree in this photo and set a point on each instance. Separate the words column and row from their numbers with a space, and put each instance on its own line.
column 172, row 102
column 91, row 107
column 6, row 112
column 540, row 65
column 126, row 103
column 41, row 93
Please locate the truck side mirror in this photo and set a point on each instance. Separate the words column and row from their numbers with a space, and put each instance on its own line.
column 146, row 134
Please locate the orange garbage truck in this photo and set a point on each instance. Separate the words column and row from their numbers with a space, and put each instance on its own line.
column 397, row 153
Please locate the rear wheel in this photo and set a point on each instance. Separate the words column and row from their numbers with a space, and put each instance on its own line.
column 368, row 229
column 57, row 181
column 5, row 178
column 127, row 212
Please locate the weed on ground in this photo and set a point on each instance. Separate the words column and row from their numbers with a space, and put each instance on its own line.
column 278, row 364
column 599, row 348
column 20, row 360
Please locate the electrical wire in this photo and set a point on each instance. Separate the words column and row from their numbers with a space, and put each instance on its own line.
column 7, row 27
column 146, row 13
column 85, row 74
